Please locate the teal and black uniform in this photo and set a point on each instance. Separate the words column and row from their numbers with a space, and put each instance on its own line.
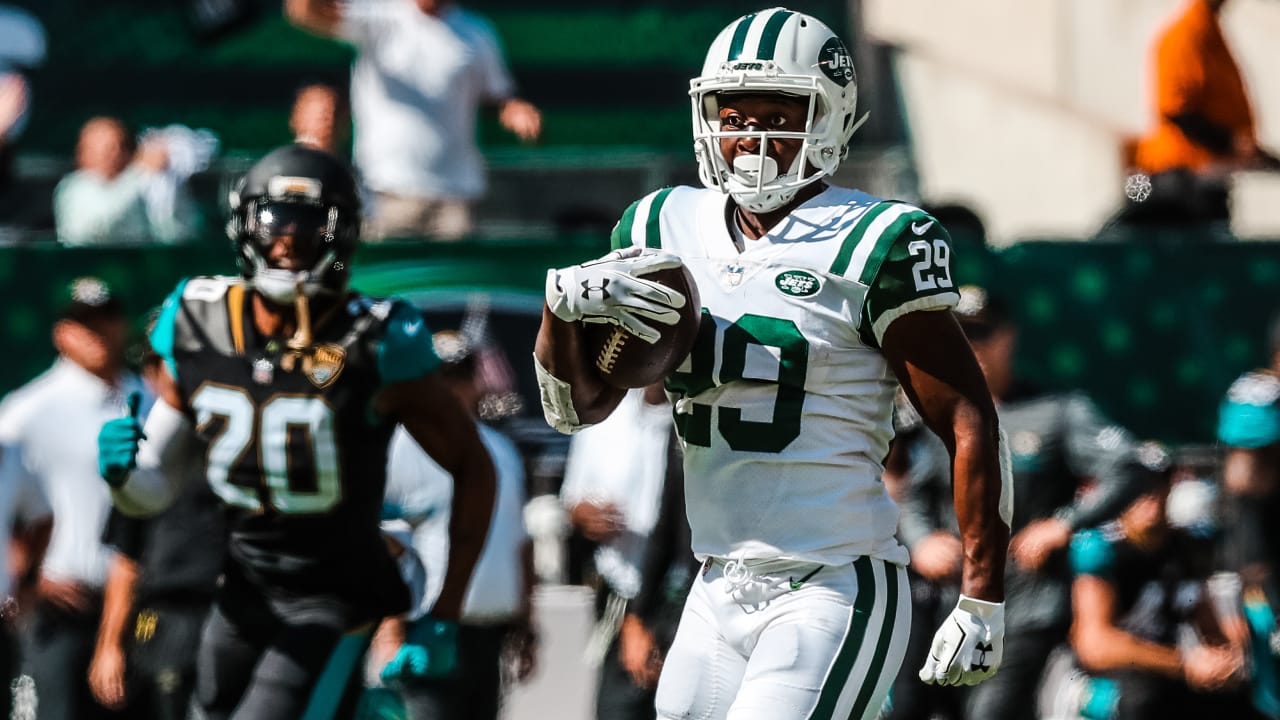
column 1249, row 419
column 298, row 457
column 1157, row 591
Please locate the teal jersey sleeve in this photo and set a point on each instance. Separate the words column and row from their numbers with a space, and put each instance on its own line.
column 162, row 334
column 405, row 351
column 1249, row 416
column 907, row 269
column 1092, row 554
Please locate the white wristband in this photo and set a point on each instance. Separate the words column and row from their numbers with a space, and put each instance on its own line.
column 557, row 401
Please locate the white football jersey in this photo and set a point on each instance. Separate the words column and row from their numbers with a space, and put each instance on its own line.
column 785, row 404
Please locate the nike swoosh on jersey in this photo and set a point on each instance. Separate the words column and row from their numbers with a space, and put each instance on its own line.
column 921, row 229
column 412, row 328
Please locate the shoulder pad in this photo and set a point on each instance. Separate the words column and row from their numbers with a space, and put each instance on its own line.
column 1249, row 416
column 1091, row 553
column 1255, row 388
column 406, row 351
column 207, row 288
column 639, row 223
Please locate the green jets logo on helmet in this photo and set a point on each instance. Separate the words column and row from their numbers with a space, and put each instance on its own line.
column 797, row 283
column 835, row 62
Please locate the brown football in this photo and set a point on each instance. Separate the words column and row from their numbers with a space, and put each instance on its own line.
column 625, row 361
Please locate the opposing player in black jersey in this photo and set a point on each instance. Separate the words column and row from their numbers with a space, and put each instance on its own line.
column 287, row 386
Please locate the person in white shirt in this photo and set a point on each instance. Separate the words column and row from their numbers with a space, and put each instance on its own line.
column 612, row 489
column 53, row 421
column 496, row 630
column 422, row 70
column 108, row 198
column 24, row 509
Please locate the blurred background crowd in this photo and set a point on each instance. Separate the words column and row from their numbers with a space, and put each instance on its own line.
column 1107, row 172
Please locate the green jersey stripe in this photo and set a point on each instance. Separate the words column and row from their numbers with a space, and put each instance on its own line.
column 621, row 236
column 848, row 655
column 872, row 678
column 882, row 244
column 652, row 236
column 740, row 36
column 769, row 38
column 841, row 264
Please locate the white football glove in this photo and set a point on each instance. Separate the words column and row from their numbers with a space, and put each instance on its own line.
column 611, row 290
column 967, row 649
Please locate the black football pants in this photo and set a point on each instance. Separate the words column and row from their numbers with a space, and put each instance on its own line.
column 261, row 660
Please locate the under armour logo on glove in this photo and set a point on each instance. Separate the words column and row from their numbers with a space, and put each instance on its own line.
column 587, row 289
column 980, row 661
column 614, row 291
column 967, row 649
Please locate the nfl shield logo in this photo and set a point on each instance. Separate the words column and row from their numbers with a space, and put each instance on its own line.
column 263, row 371
column 324, row 365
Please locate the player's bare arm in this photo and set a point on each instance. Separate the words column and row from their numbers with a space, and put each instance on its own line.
column 931, row 358
column 432, row 415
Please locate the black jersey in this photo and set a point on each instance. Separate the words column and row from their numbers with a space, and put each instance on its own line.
column 1155, row 589
column 292, row 446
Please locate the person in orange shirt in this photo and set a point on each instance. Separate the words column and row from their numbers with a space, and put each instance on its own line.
column 1204, row 121
column 1204, row 125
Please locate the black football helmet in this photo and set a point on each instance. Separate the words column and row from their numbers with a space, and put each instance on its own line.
column 307, row 194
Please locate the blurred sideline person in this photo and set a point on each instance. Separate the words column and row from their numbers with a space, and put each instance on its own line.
column 53, row 421
column 652, row 616
column 613, row 487
column 321, row 119
column 1249, row 431
column 1145, row 627
column 105, row 200
column 160, row 585
column 1072, row 470
column 497, row 642
column 814, row 298
column 285, row 387
column 423, row 68
column 23, row 47
column 28, row 523
column 1204, row 124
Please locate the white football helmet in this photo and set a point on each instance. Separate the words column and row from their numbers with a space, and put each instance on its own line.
column 775, row 51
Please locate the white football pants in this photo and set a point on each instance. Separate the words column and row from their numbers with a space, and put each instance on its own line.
column 787, row 641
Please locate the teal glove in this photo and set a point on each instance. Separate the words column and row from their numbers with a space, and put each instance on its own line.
column 430, row 650
column 118, row 444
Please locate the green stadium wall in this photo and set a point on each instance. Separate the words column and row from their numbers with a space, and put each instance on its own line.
column 1154, row 332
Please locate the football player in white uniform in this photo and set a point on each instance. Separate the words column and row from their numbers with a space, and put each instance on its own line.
column 815, row 299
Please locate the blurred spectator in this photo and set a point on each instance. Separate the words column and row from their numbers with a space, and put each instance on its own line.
column 423, row 69
column 1071, row 471
column 54, row 421
column 160, row 586
column 1146, row 630
column 24, row 508
column 321, row 118
column 120, row 193
column 22, row 49
column 1204, row 126
column 1249, row 429
column 497, row 642
column 613, row 487
column 650, row 623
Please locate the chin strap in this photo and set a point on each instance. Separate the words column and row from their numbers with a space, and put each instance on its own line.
column 299, row 345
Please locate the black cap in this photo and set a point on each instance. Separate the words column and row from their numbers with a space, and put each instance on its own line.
column 980, row 313
column 89, row 299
